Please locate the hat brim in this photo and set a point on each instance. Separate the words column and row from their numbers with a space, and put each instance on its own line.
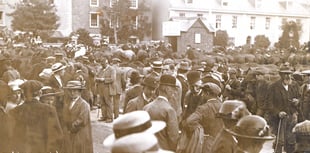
column 286, row 72
column 156, row 127
column 74, row 87
column 51, row 94
column 249, row 137
column 61, row 68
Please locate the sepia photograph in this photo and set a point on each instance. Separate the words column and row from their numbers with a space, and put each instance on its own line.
column 154, row 76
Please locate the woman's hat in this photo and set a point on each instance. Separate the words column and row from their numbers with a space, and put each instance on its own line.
column 74, row 84
column 233, row 110
column 137, row 143
column 168, row 80
column 15, row 84
column 251, row 127
column 133, row 122
column 57, row 67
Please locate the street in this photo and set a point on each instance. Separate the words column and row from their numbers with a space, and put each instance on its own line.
column 101, row 130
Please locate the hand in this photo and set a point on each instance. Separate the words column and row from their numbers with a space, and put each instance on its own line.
column 295, row 101
column 282, row 114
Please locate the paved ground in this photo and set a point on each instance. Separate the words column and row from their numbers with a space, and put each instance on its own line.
column 101, row 130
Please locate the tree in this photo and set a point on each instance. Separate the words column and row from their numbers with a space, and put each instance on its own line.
column 221, row 38
column 261, row 41
column 83, row 37
column 119, row 21
column 290, row 35
column 36, row 16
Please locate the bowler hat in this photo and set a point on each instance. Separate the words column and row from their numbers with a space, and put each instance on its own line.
column 133, row 122
column 251, row 127
column 57, row 67
column 74, row 84
column 168, row 80
column 193, row 77
column 228, row 107
column 31, row 85
column 137, row 143
column 150, row 82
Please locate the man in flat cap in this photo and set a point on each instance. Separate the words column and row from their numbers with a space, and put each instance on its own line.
column 35, row 125
column 282, row 103
column 161, row 109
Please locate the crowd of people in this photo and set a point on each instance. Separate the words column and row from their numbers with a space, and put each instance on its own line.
column 167, row 104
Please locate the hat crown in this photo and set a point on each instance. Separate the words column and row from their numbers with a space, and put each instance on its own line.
column 212, row 87
column 74, row 84
column 150, row 82
column 302, row 128
column 57, row 66
column 193, row 77
column 252, row 125
column 132, row 119
column 229, row 106
column 47, row 90
column 184, row 65
column 166, row 79
column 157, row 64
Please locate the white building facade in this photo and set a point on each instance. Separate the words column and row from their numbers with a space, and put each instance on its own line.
column 243, row 18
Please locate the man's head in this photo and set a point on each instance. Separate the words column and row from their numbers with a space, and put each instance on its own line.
column 74, row 88
column 31, row 89
column 194, row 81
column 150, row 85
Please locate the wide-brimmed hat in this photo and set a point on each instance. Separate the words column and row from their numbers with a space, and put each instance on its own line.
column 168, row 80
column 48, row 91
column 74, row 84
column 14, row 84
column 137, row 143
column 284, row 69
column 57, row 67
column 193, row 77
column 251, row 127
column 184, row 66
column 133, row 122
column 229, row 108
column 150, row 82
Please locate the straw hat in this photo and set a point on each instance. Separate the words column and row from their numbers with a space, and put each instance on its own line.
column 74, row 84
column 133, row 122
column 57, row 67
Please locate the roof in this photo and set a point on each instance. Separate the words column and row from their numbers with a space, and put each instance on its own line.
column 185, row 25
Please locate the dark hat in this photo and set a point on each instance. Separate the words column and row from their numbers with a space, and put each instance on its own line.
column 168, row 80
column 32, row 85
column 193, row 77
column 284, row 69
column 251, row 127
column 133, row 122
column 74, row 84
column 57, row 67
column 150, row 82
column 137, row 143
column 48, row 91
column 229, row 107
column 302, row 128
column 184, row 66
column 212, row 87
column 212, row 79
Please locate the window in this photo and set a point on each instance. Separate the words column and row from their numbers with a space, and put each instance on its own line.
column 218, row 22
column 94, row 20
column 197, row 38
column 134, row 22
column 114, row 21
column 94, row 2
column 182, row 14
column 200, row 15
column 267, row 24
column 252, row 24
column 134, row 4
column 234, row 22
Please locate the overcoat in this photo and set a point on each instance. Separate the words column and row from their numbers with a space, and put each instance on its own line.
column 107, row 87
column 78, row 136
column 131, row 93
column 5, row 130
column 224, row 143
column 136, row 104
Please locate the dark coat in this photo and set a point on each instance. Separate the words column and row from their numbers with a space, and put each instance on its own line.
column 224, row 143
column 131, row 93
column 136, row 104
column 192, row 101
column 78, row 128
column 107, row 87
column 4, row 132
column 185, row 88
column 36, row 128
column 161, row 110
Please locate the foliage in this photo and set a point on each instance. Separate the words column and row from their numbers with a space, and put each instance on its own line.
column 83, row 37
column 261, row 41
column 37, row 17
column 286, row 41
column 123, row 21
column 221, row 38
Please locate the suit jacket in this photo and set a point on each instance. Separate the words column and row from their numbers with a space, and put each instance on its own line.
column 36, row 128
column 78, row 136
column 160, row 109
column 185, row 88
column 136, row 104
column 4, row 132
column 118, row 80
column 107, row 87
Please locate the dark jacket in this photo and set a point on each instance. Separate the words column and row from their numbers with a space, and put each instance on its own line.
column 224, row 143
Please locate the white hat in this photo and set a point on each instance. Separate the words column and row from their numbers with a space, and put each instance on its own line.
column 15, row 84
column 133, row 122
column 57, row 67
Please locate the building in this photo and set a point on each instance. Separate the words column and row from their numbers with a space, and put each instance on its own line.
column 6, row 7
column 243, row 18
